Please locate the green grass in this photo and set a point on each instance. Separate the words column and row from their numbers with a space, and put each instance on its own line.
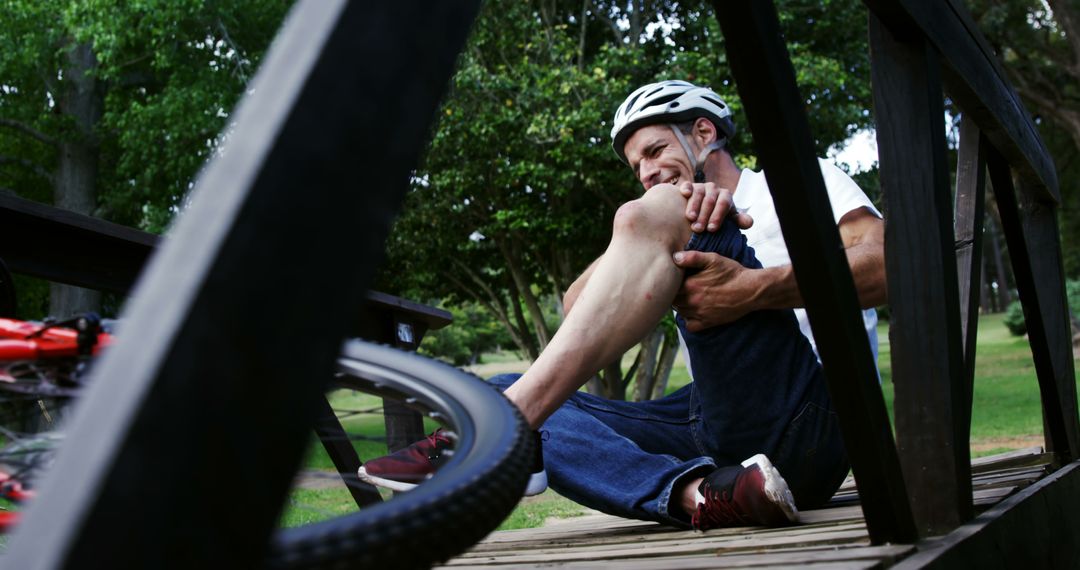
column 531, row 512
column 1006, row 401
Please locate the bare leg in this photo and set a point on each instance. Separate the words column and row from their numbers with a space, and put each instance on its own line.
column 630, row 289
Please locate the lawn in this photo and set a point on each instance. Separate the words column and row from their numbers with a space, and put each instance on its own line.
column 1006, row 415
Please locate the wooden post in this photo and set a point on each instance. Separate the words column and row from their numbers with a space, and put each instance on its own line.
column 924, row 327
column 774, row 109
column 1030, row 227
column 970, row 211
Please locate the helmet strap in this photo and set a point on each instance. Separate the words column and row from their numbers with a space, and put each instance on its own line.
column 697, row 164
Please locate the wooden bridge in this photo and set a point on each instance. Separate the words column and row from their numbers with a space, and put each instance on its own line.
column 918, row 492
column 835, row 536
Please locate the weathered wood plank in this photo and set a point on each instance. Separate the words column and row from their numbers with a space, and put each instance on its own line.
column 976, row 82
column 1035, row 528
column 693, row 544
column 968, row 231
column 924, row 327
column 1031, row 233
column 1019, row 458
column 781, row 557
column 539, row 543
column 774, row 109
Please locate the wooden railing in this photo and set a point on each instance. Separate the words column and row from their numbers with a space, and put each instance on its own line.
column 921, row 484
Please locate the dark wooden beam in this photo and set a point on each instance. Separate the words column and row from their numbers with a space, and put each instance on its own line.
column 62, row 246
column 1031, row 232
column 232, row 335
column 924, row 324
column 976, row 82
column 339, row 447
column 970, row 211
column 774, row 109
column 1036, row 528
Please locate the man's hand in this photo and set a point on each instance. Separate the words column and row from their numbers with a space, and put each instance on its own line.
column 722, row 291
column 708, row 204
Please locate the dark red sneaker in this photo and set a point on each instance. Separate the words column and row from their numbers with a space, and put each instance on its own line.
column 750, row 494
column 404, row 469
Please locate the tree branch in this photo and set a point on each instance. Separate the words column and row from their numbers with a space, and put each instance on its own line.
column 1067, row 19
column 28, row 130
column 236, row 49
column 27, row 164
column 611, row 24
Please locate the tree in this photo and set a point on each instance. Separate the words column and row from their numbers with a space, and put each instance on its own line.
column 1039, row 43
column 519, row 186
column 109, row 108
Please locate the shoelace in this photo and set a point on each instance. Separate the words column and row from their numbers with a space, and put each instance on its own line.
column 718, row 509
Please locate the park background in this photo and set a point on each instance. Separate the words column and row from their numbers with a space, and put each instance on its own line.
column 110, row 108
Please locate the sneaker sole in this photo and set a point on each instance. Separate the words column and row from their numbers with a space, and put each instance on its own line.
column 399, row 486
column 538, row 483
column 776, row 488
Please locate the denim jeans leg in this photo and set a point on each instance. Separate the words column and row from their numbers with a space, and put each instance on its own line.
column 811, row 454
column 754, row 377
column 622, row 458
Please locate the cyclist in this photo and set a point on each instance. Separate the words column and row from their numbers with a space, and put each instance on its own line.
column 753, row 438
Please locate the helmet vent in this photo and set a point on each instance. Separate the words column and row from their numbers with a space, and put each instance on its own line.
column 716, row 101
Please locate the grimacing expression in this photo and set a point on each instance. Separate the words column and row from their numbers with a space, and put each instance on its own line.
column 657, row 157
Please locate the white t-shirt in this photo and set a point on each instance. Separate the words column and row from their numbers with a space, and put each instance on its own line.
column 752, row 196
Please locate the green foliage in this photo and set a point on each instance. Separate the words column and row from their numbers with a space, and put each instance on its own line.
column 1014, row 319
column 473, row 332
column 167, row 74
column 1072, row 293
column 1036, row 41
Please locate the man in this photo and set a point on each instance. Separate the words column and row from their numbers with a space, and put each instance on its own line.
column 753, row 438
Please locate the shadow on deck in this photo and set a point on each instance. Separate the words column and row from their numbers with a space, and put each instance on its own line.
column 833, row 537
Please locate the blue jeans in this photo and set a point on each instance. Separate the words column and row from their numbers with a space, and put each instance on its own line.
column 758, row 388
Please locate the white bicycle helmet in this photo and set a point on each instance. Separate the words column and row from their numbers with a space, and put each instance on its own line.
column 671, row 102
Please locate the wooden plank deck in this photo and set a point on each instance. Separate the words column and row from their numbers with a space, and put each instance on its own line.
column 831, row 537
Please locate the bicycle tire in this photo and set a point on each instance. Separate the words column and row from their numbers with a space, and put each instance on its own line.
column 467, row 498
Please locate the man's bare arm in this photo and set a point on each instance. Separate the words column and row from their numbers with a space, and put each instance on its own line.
column 577, row 286
column 724, row 290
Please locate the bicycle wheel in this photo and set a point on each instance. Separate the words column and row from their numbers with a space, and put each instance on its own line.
column 469, row 496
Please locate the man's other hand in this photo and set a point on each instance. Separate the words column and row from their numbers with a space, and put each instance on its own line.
column 720, row 292
column 708, row 204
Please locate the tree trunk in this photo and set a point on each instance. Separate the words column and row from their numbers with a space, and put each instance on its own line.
column 613, row 385
column 988, row 299
column 646, row 372
column 75, row 181
column 519, row 318
column 667, row 362
column 524, row 289
column 1004, row 294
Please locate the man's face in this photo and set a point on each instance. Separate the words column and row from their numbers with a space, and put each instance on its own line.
column 657, row 157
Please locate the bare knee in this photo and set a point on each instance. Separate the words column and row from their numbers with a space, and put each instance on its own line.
column 659, row 214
